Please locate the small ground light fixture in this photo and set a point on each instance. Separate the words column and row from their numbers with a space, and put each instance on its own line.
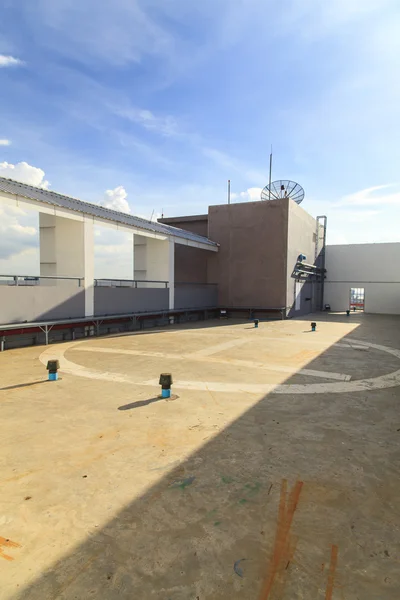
column 166, row 382
column 52, row 367
column 313, row 326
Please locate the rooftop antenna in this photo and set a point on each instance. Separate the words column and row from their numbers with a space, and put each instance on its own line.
column 270, row 174
column 151, row 218
column 281, row 189
column 229, row 191
column 162, row 213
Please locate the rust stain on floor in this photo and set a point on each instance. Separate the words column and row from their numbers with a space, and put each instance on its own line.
column 285, row 545
column 6, row 543
column 332, row 573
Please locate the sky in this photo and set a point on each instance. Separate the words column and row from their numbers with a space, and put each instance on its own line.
column 152, row 105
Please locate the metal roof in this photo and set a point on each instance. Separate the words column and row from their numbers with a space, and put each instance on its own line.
column 54, row 199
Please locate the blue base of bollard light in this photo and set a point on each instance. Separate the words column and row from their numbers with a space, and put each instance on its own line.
column 53, row 376
column 312, row 328
column 165, row 393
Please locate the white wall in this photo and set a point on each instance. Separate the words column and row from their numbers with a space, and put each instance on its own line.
column 374, row 267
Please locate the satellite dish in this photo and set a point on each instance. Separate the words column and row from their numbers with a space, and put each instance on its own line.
column 283, row 189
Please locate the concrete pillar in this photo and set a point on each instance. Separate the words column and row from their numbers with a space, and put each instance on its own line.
column 67, row 250
column 88, row 265
column 154, row 261
column 139, row 257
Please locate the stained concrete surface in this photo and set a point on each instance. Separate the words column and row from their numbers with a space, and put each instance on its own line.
column 214, row 495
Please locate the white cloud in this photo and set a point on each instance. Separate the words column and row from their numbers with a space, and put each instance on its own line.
column 9, row 61
column 17, row 232
column 116, row 199
column 231, row 164
column 250, row 195
column 113, row 252
column 25, row 173
column 5, row 143
column 91, row 31
column 166, row 126
column 369, row 197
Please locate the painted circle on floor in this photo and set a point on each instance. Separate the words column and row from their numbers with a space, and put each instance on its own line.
column 338, row 387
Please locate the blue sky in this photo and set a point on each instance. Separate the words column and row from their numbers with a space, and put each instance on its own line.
column 168, row 99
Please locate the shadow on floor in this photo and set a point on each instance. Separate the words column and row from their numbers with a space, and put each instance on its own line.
column 140, row 403
column 22, row 385
column 295, row 497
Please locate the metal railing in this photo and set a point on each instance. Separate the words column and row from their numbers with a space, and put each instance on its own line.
column 130, row 283
column 31, row 280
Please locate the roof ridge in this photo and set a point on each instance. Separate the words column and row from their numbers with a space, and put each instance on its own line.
column 119, row 216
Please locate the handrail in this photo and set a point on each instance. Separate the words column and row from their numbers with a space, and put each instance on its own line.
column 21, row 280
column 33, row 277
column 132, row 282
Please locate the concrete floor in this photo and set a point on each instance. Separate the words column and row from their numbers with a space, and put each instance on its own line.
column 274, row 474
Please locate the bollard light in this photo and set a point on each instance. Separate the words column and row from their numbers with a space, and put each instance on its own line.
column 313, row 326
column 165, row 382
column 52, row 367
column 256, row 322
column 348, row 313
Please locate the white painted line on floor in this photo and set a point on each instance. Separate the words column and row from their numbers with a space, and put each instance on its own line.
column 267, row 366
column 351, row 346
column 342, row 387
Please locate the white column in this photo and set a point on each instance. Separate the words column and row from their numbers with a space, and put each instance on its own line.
column 171, row 274
column 67, row 250
column 154, row 261
column 88, row 265
column 139, row 257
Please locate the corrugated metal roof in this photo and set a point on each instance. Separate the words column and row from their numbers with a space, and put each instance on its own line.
column 53, row 198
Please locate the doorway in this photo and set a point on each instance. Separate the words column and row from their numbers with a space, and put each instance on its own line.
column 357, row 299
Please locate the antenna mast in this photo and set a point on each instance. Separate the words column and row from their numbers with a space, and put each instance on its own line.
column 270, row 173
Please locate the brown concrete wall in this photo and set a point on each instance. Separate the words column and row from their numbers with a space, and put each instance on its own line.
column 190, row 263
column 301, row 240
column 250, row 267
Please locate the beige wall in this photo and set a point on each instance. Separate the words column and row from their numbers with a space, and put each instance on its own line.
column 250, row 267
column 259, row 246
